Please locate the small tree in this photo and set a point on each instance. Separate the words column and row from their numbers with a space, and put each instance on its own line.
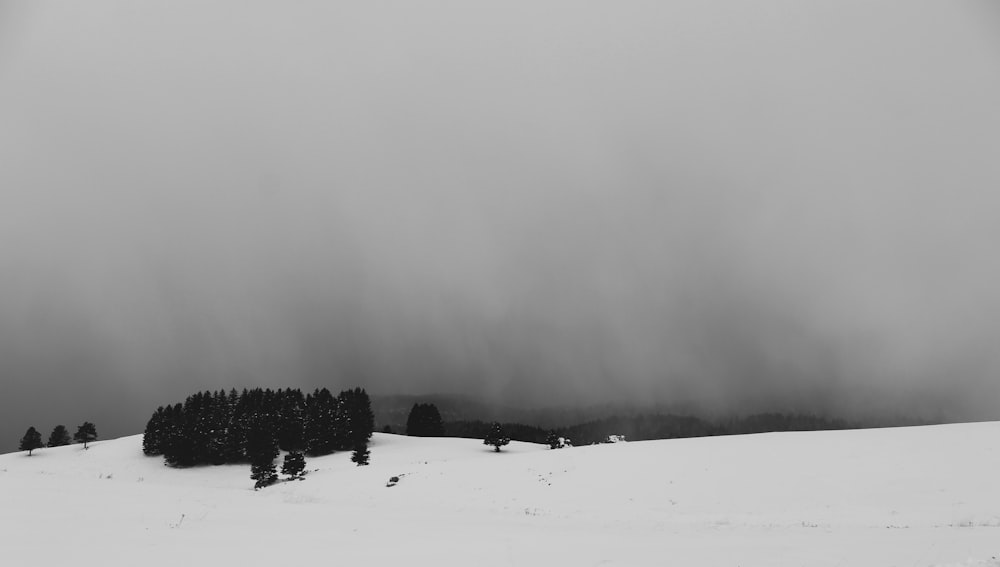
column 553, row 440
column 361, row 454
column 496, row 437
column 32, row 440
column 59, row 437
column 86, row 433
column 294, row 465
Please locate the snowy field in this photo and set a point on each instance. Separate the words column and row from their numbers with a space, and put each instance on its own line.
column 917, row 496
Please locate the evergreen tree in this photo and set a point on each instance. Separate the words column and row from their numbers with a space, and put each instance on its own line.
column 32, row 440
column 424, row 421
column 196, row 427
column 359, row 420
column 59, row 436
column 262, row 448
column 321, row 426
column 263, row 473
column 361, row 454
column 217, row 425
column 152, row 436
column 553, row 440
column 86, row 433
column 496, row 437
column 291, row 422
column 234, row 448
column 294, row 465
column 177, row 443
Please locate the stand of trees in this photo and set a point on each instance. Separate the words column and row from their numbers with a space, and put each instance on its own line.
column 252, row 426
column 59, row 437
column 424, row 421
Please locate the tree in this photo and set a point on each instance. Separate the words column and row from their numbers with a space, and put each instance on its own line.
column 496, row 437
column 361, row 454
column 294, row 465
column 86, row 433
column 321, row 423
column 32, row 440
column 553, row 440
column 59, row 437
column 152, row 436
column 359, row 419
column 424, row 421
column 262, row 448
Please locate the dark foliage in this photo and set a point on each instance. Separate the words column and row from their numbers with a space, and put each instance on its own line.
column 553, row 440
column 292, row 422
column 152, row 436
column 646, row 427
column 214, row 428
column 86, row 433
column 497, row 437
column 324, row 423
column 262, row 449
column 361, row 454
column 424, row 421
column 32, row 440
column 357, row 411
column 59, row 437
column 294, row 465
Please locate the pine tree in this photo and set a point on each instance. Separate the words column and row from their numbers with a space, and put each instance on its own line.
column 294, row 465
column 174, row 443
column 359, row 418
column 86, row 433
column 361, row 454
column 496, row 437
column 217, row 423
column 291, row 422
column 321, row 424
column 32, row 440
column 553, row 440
column 152, row 436
column 59, row 436
column 234, row 449
column 262, row 448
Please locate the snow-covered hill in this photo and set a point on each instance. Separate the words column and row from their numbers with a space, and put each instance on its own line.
column 909, row 496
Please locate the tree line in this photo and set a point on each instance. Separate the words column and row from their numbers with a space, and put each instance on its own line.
column 85, row 433
column 253, row 426
column 636, row 427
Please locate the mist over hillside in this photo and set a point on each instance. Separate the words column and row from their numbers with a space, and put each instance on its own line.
column 777, row 206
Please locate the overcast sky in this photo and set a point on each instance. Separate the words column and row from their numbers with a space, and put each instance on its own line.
column 788, row 205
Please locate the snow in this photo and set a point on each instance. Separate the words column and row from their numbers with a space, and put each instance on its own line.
column 922, row 496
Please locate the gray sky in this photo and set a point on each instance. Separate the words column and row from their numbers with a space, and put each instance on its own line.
column 770, row 205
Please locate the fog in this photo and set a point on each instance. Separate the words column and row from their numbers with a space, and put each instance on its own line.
column 771, row 206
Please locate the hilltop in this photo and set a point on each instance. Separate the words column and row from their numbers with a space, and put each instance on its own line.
column 899, row 496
